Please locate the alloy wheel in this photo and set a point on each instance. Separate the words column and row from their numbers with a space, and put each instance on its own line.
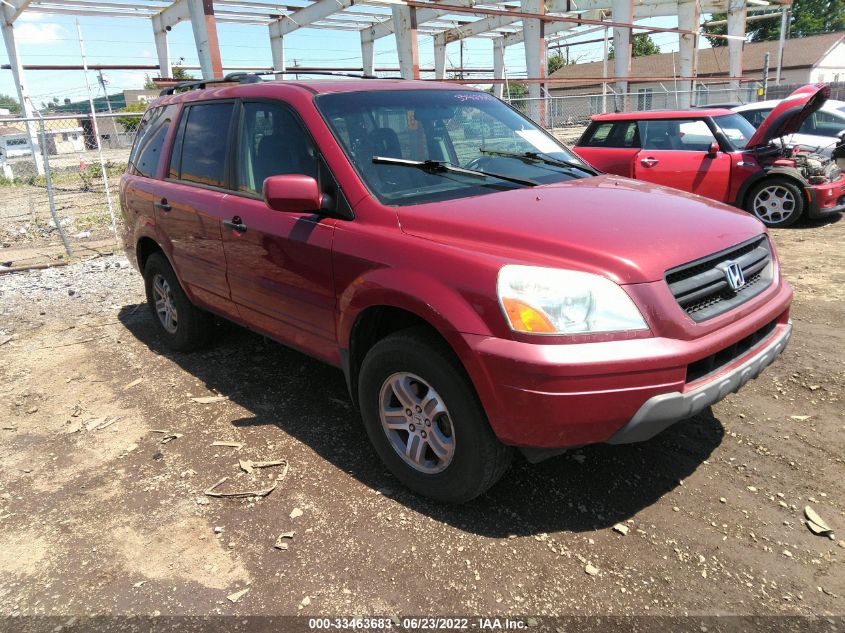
column 417, row 422
column 164, row 302
column 774, row 204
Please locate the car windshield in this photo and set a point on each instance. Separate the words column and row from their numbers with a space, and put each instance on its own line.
column 456, row 128
column 736, row 128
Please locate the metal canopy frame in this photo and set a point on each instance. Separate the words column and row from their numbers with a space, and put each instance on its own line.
column 533, row 23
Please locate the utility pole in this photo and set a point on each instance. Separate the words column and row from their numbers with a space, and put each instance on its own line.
column 102, row 82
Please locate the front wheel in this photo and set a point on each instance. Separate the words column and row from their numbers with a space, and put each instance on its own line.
column 425, row 421
column 776, row 202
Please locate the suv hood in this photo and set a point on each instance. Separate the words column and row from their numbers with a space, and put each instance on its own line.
column 787, row 116
column 627, row 230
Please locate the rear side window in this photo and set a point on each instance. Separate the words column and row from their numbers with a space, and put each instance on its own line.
column 823, row 124
column 612, row 134
column 149, row 142
column 201, row 148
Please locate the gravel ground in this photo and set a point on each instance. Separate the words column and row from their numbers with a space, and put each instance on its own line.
column 105, row 457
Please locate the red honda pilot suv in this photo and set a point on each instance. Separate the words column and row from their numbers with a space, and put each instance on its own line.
column 480, row 286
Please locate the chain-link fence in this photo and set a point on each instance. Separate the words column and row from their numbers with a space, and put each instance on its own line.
column 837, row 90
column 568, row 115
column 59, row 186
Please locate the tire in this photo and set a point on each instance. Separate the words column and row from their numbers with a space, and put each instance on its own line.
column 189, row 328
column 469, row 458
column 776, row 202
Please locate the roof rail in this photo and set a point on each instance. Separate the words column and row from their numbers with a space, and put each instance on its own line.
column 251, row 78
column 243, row 78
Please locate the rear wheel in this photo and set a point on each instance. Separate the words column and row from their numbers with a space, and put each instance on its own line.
column 182, row 325
column 776, row 202
column 425, row 421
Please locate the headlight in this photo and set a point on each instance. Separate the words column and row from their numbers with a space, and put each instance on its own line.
column 554, row 301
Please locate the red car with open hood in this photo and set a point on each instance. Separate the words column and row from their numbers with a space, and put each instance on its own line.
column 718, row 154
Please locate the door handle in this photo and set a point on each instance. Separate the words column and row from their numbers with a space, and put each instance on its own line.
column 648, row 161
column 236, row 224
column 163, row 205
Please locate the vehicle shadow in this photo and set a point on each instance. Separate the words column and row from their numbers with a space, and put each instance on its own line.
column 807, row 223
column 586, row 489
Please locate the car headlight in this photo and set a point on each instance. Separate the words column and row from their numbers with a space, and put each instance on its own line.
column 539, row 300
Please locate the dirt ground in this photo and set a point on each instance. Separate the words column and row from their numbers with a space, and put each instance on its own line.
column 101, row 513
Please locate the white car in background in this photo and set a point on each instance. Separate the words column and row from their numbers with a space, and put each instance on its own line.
column 818, row 134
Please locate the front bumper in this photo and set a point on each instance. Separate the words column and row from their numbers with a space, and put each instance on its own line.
column 555, row 396
column 660, row 412
column 826, row 199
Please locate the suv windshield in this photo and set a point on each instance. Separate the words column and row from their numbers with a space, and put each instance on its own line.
column 456, row 128
column 736, row 128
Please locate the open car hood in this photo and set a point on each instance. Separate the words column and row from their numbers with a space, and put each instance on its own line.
column 789, row 114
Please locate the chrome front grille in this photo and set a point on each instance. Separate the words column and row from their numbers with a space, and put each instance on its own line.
column 701, row 287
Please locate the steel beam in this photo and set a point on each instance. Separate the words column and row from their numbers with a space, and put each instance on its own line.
column 277, row 47
column 383, row 29
column 20, row 85
column 205, row 37
column 687, row 53
column 162, row 47
column 175, row 13
column 368, row 55
column 439, row 56
column 405, row 29
column 550, row 28
column 535, row 57
column 484, row 25
column 737, row 13
column 13, row 9
column 623, row 11
column 498, row 65
column 311, row 13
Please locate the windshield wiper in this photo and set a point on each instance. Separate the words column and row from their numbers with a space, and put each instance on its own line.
column 539, row 157
column 440, row 167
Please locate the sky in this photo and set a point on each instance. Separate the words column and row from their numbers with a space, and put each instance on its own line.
column 52, row 39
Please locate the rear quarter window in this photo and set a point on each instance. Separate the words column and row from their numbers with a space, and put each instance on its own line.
column 149, row 141
column 611, row 134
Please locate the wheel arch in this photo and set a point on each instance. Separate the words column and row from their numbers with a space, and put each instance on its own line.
column 371, row 315
column 784, row 172
column 145, row 247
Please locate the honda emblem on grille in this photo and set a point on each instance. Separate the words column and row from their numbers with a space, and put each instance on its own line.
column 733, row 275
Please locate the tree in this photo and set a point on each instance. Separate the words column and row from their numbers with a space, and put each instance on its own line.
column 808, row 17
column 181, row 74
column 130, row 122
column 641, row 46
column 7, row 101
column 556, row 62
column 516, row 89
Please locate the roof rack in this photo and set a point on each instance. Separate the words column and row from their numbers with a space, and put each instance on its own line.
column 252, row 78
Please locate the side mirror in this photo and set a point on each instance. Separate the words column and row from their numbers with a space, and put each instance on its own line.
column 713, row 150
column 292, row 193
